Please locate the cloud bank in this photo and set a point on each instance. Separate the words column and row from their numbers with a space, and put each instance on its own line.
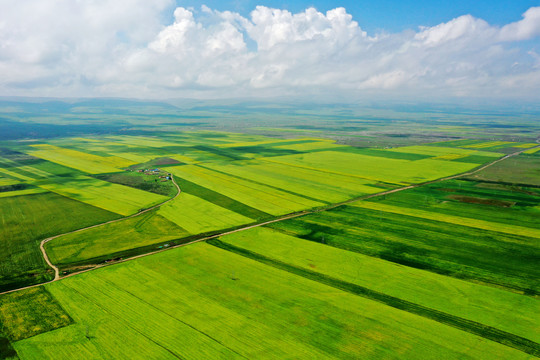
column 149, row 49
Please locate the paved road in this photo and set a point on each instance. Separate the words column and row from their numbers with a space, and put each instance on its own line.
column 282, row 218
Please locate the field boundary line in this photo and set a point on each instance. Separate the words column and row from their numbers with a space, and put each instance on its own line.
column 44, row 241
column 485, row 331
column 278, row 219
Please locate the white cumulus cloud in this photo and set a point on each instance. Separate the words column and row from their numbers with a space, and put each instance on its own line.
column 130, row 48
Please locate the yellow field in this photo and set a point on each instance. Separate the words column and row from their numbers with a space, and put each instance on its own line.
column 6, row 181
column 21, row 192
column 317, row 185
column 119, row 199
column 532, row 151
column 525, row 146
column 15, row 175
column 458, row 220
column 258, row 196
column 396, row 171
column 89, row 163
column 196, row 215
column 450, row 157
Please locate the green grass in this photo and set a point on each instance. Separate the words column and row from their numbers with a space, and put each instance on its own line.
column 30, row 312
column 203, row 302
column 500, row 309
column 304, row 183
column 152, row 183
column 219, row 199
column 116, row 198
column 494, row 334
column 505, row 209
column 523, row 169
column 376, row 168
column 258, row 196
column 197, row 215
column 441, row 247
column 26, row 220
column 143, row 230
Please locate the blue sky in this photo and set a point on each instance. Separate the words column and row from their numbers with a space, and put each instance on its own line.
column 389, row 15
column 349, row 50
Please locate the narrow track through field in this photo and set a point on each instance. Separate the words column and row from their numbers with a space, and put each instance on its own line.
column 205, row 238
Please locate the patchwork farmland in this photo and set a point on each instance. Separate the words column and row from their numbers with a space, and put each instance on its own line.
column 268, row 248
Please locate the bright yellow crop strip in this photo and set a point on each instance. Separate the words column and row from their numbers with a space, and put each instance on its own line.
column 116, row 198
column 90, row 163
column 21, row 192
column 525, row 146
column 458, row 220
column 450, row 157
column 532, row 151
column 197, row 215
column 15, row 175
column 6, row 181
column 261, row 197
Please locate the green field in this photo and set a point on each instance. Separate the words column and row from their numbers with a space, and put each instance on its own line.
column 441, row 228
column 489, row 306
column 259, row 196
column 26, row 220
column 197, row 215
column 201, row 301
column 447, row 269
column 139, row 231
column 523, row 169
column 376, row 168
column 116, row 198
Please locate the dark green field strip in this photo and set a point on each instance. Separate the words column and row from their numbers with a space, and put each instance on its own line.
column 224, row 152
column 439, row 247
column 156, row 163
column 264, row 184
column 57, row 169
column 383, row 153
column 19, row 279
column 7, row 351
column 220, row 200
column 505, row 183
column 26, row 220
column 20, row 171
column 15, row 187
column 264, row 150
column 140, row 181
column 488, row 332
column 438, row 198
column 475, row 159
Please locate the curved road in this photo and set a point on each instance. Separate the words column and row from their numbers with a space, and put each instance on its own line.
column 284, row 217
column 43, row 242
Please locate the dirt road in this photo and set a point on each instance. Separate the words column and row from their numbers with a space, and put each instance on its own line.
column 281, row 218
